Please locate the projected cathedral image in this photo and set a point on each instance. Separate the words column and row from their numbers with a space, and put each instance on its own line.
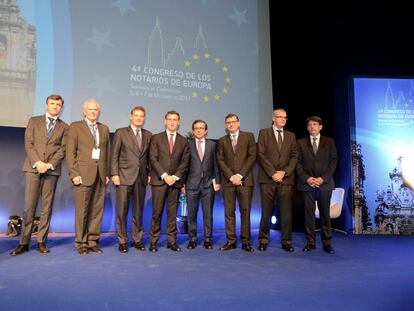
column 17, row 65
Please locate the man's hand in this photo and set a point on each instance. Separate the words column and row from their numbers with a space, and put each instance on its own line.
column 312, row 182
column 278, row 176
column 41, row 167
column 319, row 181
column 236, row 180
column 77, row 180
column 116, row 180
column 169, row 180
column 106, row 180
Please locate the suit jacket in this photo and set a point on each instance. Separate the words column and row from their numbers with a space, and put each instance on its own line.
column 239, row 162
column 127, row 161
column 323, row 164
column 40, row 147
column 271, row 159
column 162, row 161
column 79, row 152
column 202, row 172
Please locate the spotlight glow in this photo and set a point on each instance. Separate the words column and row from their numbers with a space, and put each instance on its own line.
column 273, row 220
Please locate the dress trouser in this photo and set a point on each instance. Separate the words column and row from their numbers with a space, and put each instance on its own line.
column 43, row 186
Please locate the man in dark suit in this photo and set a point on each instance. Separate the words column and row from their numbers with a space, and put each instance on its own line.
column 169, row 157
column 129, row 171
column 45, row 144
column 236, row 154
column 203, row 179
column 277, row 157
column 317, row 159
column 87, row 156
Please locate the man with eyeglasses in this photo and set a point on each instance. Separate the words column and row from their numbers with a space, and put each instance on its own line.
column 203, row 180
column 169, row 157
column 277, row 157
column 236, row 154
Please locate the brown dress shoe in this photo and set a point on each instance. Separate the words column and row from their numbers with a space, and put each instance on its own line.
column 95, row 249
column 42, row 248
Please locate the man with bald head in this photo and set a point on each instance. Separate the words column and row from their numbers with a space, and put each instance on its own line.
column 87, row 155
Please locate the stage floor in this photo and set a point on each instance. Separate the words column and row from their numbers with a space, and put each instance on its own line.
column 366, row 273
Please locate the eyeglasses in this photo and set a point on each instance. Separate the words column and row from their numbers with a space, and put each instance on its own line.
column 280, row 117
column 231, row 122
column 199, row 128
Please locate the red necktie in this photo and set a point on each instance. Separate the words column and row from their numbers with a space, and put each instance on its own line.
column 200, row 150
column 171, row 143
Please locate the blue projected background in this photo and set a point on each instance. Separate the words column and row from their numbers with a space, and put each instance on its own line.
column 383, row 155
column 203, row 58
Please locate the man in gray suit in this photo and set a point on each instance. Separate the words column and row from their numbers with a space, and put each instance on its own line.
column 129, row 171
column 169, row 157
column 317, row 159
column 45, row 144
column 203, row 179
column 87, row 157
column 277, row 157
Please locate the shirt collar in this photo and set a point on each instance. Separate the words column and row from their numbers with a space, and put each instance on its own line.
column 275, row 128
column 169, row 133
column 318, row 137
column 89, row 122
column 235, row 134
column 49, row 116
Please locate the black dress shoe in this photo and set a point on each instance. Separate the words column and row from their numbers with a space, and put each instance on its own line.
column 228, row 246
column 123, row 248
column 192, row 245
column 41, row 247
column 83, row 251
column 208, row 245
column 262, row 247
column 328, row 249
column 287, row 247
column 95, row 249
column 308, row 247
column 139, row 246
column 153, row 248
column 247, row 247
column 20, row 249
column 174, row 247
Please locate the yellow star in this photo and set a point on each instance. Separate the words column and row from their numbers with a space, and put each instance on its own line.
column 206, row 55
column 217, row 60
column 187, row 63
column 225, row 69
column 228, row 80
column 196, row 56
column 205, row 98
column 194, row 94
column 225, row 90
column 217, row 97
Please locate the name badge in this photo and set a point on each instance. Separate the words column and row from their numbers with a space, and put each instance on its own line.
column 95, row 153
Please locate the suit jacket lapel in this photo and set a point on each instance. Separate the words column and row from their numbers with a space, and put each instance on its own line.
column 88, row 133
column 133, row 139
column 55, row 129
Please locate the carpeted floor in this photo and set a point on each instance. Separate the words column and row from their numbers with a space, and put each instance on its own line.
column 366, row 273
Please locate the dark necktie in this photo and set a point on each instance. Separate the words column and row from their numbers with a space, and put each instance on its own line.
column 314, row 145
column 50, row 125
column 233, row 142
column 279, row 139
column 171, row 143
column 139, row 138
